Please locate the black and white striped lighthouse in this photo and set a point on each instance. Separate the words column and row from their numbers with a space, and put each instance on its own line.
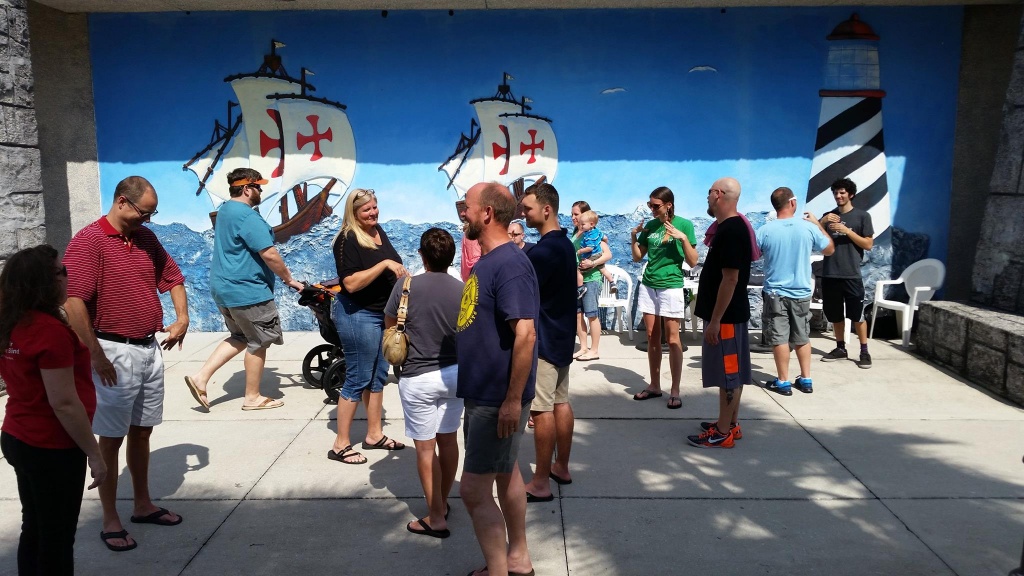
column 850, row 142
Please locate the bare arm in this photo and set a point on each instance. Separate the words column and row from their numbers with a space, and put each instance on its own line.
column 730, row 278
column 606, row 255
column 176, row 331
column 828, row 250
column 61, row 394
column 522, row 362
column 273, row 259
column 358, row 280
column 638, row 251
column 78, row 317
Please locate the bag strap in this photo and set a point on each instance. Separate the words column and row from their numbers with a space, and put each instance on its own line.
column 403, row 304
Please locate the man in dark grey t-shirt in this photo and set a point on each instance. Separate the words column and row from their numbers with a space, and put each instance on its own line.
column 841, row 283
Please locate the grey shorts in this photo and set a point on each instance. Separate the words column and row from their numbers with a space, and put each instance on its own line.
column 552, row 386
column 727, row 364
column 485, row 453
column 138, row 397
column 786, row 320
column 258, row 325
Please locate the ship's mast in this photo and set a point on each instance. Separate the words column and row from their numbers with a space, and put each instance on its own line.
column 272, row 62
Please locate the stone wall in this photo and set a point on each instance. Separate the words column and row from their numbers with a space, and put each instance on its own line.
column 21, row 188
column 985, row 346
column 998, row 278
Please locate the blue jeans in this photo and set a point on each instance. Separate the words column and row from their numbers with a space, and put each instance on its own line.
column 361, row 332
column 588, row 304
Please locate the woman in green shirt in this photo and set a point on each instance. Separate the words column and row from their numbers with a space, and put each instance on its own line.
column 668, row 241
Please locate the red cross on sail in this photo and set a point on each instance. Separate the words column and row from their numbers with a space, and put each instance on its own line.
column 318, row 141
column 263, row 124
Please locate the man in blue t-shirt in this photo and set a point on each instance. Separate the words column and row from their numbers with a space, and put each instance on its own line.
column 786, row 245
column 242, row 285
column 554, row 260
column 497, row 356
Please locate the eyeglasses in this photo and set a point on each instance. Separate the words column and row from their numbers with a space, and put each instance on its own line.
column 62, row 271
column 142, row 213
column 715, row 190
column 655, row 205
column 256, row 186
column 366, row 192
column 514, row 235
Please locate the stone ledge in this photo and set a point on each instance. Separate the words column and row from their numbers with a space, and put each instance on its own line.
column 983, row 345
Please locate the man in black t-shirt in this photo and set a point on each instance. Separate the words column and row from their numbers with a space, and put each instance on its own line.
column 841, row 283
column 722, row 304
column 554, row 260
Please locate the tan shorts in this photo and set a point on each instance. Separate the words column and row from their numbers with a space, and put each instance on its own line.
column 552, row 386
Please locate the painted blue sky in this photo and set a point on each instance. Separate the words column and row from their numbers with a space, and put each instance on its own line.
column 407, row 81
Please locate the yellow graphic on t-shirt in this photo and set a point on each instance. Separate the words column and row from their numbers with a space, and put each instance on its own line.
column 470, row 297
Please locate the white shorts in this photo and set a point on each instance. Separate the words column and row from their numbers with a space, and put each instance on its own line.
column 429, row 403
column 138, row 397
column 667, row 303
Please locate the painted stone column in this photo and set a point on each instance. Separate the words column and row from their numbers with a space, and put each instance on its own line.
column 21, row 196
column 999, row 262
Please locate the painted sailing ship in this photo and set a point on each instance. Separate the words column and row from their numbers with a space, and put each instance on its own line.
column 297, row 141
column 506, row 144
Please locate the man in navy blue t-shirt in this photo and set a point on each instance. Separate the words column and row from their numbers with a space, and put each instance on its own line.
column 497, row 355
column 554, row 260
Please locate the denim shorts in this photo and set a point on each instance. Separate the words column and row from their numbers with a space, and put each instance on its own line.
column 361, row 332
column 588, row 304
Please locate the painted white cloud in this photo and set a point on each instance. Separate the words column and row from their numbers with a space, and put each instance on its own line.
column 703, row 69
column 613, row 90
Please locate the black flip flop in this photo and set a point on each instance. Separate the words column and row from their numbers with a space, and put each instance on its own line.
column 123, row 535
column 646, row 395
column 558, row 479
column 156, row 518
column 346, row 452
column 672, row 406
column 532, row 498
column 382, row 444
column 428, row 531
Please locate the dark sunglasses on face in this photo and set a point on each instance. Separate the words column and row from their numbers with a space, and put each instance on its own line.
column 256, row 186
column 654, row 205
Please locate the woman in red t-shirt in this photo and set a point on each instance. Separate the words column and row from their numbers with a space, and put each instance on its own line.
column 47, row 432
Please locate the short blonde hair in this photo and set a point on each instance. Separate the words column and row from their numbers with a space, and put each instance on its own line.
column 589, row 216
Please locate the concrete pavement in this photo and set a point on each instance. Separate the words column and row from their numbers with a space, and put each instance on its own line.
column 900, row 469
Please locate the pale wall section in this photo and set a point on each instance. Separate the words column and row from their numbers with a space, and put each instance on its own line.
column 67, row 123
column 989, row 42
column 21, row 198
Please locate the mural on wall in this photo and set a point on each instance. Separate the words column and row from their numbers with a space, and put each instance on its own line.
column 642, row 99
column 506, row 144
column 292, row 138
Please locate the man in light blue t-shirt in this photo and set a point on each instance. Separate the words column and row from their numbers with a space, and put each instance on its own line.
column 242, row 285
column 786, row 245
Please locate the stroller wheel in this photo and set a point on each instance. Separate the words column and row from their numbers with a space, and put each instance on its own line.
column 316, row 363
column 333, row 380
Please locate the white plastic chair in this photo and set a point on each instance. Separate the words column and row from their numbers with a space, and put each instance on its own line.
column 620, row 302
column 922, row 279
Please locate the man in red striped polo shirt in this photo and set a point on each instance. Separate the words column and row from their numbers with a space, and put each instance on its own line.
column 116, row 267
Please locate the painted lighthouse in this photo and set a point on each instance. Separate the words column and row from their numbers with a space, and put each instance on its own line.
column 850, row 143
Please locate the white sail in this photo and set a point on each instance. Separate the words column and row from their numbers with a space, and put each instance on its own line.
column 263, row 134
column 466, row 169
column 236, row 155
column 495, row 144
column 534, row 149
column 318, row 143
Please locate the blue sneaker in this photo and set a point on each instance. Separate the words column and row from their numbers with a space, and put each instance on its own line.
column 779, row 387
column 803, row 384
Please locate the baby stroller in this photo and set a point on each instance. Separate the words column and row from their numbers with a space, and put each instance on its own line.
column 324, row 365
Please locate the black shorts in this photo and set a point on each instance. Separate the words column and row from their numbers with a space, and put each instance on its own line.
column 840, row 293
